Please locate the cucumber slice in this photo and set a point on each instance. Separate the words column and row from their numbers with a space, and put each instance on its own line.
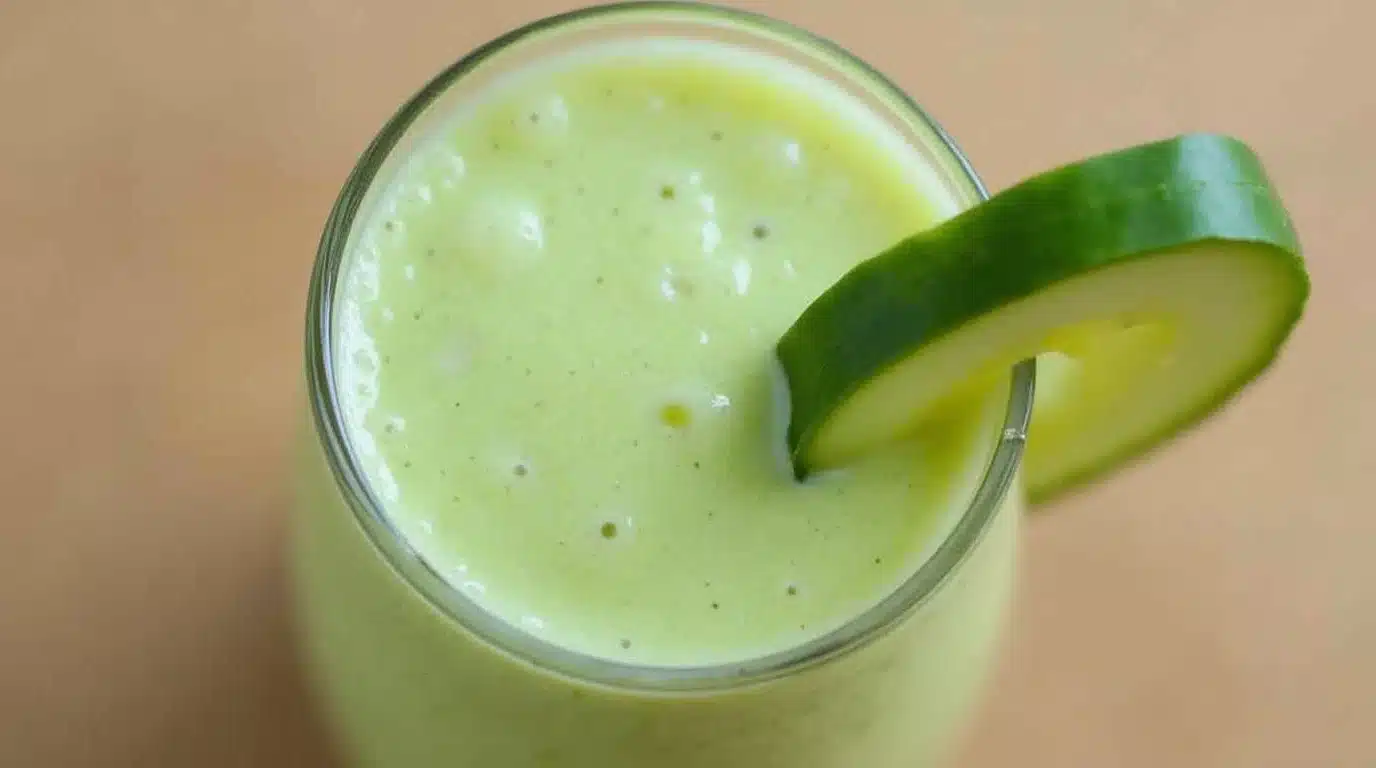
column 1154, row 282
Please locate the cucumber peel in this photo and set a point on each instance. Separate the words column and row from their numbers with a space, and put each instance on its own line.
column 1153, row 284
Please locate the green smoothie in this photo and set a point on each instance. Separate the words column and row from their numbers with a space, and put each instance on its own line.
column 553, row 365
column 558, row 369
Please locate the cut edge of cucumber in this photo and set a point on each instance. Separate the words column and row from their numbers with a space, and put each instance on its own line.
column 1211, row 197
column 1292, row 288
column 1266, row 334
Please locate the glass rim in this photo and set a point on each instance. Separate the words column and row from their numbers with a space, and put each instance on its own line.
column 489, row 628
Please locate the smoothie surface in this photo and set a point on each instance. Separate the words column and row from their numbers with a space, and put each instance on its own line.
column 554, row 353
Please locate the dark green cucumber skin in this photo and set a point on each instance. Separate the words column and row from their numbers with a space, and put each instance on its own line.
column 1190, row 189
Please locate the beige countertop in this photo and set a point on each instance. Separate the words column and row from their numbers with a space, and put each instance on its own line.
column 165, row 169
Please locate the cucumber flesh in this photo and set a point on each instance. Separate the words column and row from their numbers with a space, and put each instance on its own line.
column 1154, row 283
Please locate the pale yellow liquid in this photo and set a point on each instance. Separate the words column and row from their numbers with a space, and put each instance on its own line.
column 561, row 361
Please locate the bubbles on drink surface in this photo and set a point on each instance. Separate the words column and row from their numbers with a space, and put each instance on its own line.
column 674, row 285
column 689, row 228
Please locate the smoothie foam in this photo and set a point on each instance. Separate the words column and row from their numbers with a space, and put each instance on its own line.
column 554, row 353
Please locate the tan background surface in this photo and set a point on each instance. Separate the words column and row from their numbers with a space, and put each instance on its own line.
column 164, row 172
